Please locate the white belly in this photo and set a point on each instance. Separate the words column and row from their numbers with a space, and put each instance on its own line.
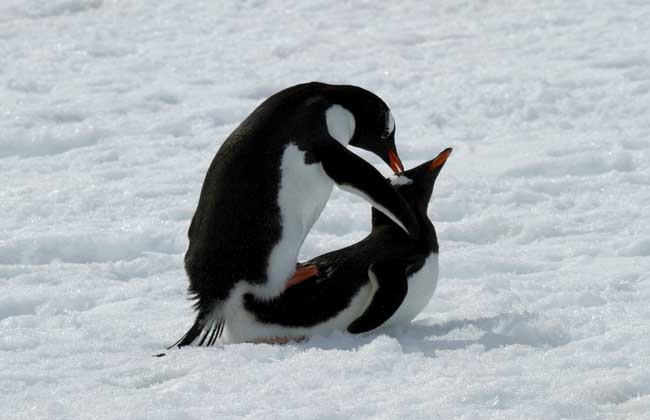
column 302, row 196
column 303, row 193
column 421, row 287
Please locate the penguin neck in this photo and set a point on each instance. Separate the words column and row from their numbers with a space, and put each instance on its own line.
column 428, row 239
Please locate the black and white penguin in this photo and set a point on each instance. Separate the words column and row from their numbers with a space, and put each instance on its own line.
column 384, row 280
column 267, row 185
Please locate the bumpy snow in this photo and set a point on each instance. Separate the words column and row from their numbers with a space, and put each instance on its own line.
column 112, row 111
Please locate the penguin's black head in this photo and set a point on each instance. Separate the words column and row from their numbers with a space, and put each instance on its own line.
column 374, row 125
column 416, row 186
column 377, row 135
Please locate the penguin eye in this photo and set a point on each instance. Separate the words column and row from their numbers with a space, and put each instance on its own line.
column 385, row 134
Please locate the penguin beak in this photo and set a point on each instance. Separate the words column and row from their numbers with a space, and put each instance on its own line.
column 394, row 161
column 440, row 159
column 302, row 273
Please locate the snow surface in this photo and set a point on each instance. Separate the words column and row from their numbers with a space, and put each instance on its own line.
column 112, row 111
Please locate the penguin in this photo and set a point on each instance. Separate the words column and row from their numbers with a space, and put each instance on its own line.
column 384, row 280
column 267, row 185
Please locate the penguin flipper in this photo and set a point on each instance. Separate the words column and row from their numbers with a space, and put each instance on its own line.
column 392, row 287
column 355, row 175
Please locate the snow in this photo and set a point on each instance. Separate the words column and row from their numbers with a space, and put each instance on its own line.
column 399, row 180
column 112, row 111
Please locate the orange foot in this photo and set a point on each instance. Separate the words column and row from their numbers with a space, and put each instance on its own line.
column 302, row 274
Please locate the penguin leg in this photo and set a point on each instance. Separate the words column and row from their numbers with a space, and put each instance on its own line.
column 302, row 273
column 392, row 287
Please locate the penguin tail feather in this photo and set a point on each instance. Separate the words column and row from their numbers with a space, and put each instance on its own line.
column 204, row 331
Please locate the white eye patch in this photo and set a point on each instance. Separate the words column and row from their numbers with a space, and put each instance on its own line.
column 340, row 123
column 390, row 124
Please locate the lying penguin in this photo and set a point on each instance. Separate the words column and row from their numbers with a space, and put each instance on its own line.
column 384, row 280
column 268, row 184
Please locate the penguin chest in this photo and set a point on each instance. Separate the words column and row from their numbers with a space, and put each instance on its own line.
column 302, row 195
column 421, row 286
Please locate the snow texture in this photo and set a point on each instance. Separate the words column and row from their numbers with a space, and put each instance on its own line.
column 112, row 111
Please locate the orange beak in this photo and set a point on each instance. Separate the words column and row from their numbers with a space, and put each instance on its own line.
column 395, row 163
column 440, row 159
column 302, row 274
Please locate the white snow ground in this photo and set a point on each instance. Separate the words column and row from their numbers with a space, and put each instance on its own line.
column 112, row 110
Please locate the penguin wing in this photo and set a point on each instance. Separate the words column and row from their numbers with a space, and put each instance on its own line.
column 392, row 287
column 355, row 175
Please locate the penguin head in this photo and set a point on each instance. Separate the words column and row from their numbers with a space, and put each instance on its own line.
column 376, row 134
column 371, row 122
column 416, row 186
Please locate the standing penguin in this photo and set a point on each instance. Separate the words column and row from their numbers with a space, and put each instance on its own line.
column 268, row 184
column 384, row 280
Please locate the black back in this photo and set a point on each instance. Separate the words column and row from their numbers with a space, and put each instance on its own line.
column 342, row 273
